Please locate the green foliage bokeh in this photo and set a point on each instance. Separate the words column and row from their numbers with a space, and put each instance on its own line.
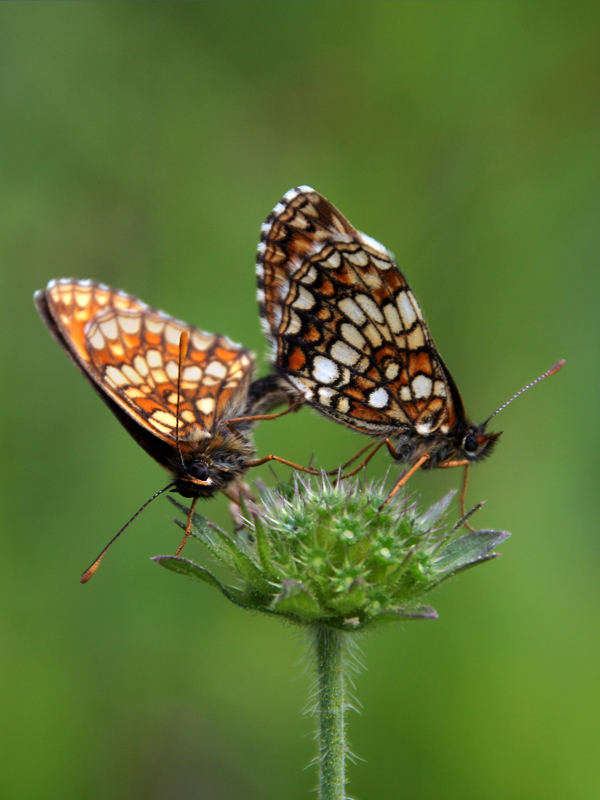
column 143, row 144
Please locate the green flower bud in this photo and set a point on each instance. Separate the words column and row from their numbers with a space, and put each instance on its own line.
column 315, row 551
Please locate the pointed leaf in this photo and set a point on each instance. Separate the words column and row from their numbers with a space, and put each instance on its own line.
column 471, row 548
column 262, row 546
column 452, row 573
column 226, row 550
column 192, row 570
column 247, row 600
column 399, row 614
column 436, row 512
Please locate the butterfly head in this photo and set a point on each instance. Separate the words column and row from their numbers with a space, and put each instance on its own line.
column 211, row 463
column 193, row 479
column 477, row 443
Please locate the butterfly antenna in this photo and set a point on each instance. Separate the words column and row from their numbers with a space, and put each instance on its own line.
column 91, row 569
column 552, row 371
column 183, row 348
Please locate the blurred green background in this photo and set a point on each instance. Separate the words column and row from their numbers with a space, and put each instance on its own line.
column 143, row 144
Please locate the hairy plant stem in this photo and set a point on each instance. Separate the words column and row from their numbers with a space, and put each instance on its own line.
column 331, row 648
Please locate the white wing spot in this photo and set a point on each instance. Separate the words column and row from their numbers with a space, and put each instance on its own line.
column 139, row 362
column 372, row 334
column 439, row 389
column 358, row 258
column 206, row 405
column 130, row 323
column 392, row 370
column 378, row 398
column 407, row 312
column 216, row 369
column 191, row 374
column 154, row 325
column 405, row 394
column 154, row 358
column 421, row 386
column 200, row 341
column 172, row 335
column 392, row 317
column 381, row 264
column 324, row 370
column 294, row 323
column 305, row 299
column 82, row 298
column 344, row 354
column 164, row 418
column 370, row 307
column 109, row 328
column 101, row 297
column 310, row 277
column 172, row 369
column 352, row 311
column 115, row 377
column 343, row 405
column 424, row 428
column 131, row 374
column 333, row 261
column 353, row 336
column 97, row 340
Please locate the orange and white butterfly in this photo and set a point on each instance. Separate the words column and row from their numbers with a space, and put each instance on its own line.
column 349, row 336
column 186, row 396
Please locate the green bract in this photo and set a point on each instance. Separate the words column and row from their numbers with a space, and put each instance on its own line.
column 321, row 552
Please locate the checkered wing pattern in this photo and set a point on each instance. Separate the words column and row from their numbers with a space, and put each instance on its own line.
column 130, row 354
column 346, row 329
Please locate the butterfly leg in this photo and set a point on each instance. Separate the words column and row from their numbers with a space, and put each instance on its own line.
column 400, row 483
column 463, row 496
column 463, row 490
column 258, row 417
column 291, row 464
column 188, row 527
column 350, row 461
column 362, row 464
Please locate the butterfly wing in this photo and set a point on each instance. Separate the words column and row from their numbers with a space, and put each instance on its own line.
column 345, row 328
column 129, row 353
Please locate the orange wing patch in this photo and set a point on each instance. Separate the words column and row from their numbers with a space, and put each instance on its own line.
column 131, row 352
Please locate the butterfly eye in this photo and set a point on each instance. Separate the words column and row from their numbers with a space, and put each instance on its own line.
column 470, row 443
column 199, row 470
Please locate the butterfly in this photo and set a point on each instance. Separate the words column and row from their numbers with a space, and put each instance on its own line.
column 349, row 336
column 186, row 396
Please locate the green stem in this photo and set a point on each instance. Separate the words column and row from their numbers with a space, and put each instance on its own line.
column 330, row 651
